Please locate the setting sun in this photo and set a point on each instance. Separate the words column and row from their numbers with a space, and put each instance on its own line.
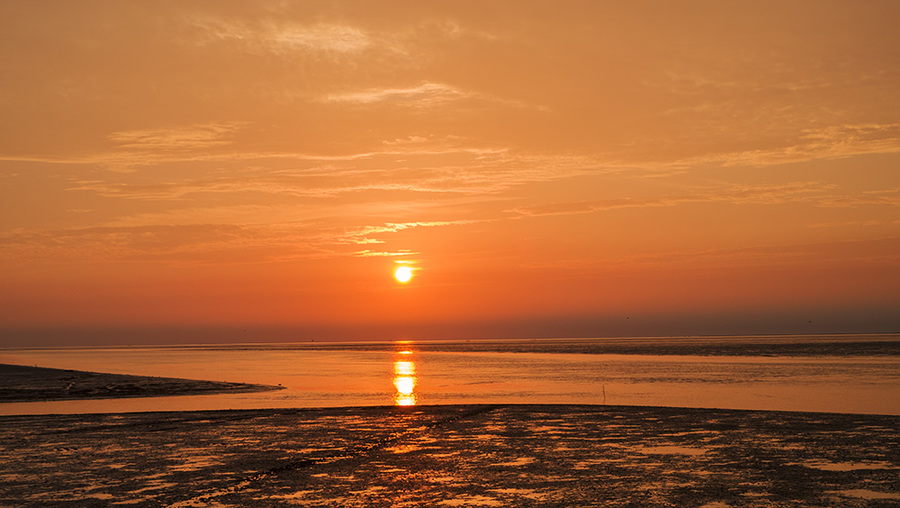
column 267, row 170
column 403, row 274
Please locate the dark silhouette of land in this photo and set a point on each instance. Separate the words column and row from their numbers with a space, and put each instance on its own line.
column 19, row 383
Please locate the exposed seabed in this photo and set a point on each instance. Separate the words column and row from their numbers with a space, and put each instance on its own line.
column 498, row 455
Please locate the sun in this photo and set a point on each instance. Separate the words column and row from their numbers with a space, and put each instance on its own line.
column 403, row 274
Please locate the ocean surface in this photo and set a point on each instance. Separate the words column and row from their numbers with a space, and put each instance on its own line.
column 839, row 374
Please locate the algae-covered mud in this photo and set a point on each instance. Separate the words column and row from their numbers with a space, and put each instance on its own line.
column 504, row 455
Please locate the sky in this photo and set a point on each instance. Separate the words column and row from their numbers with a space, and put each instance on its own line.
column 221, row 171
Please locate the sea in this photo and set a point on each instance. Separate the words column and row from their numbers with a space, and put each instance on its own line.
column 822, row 373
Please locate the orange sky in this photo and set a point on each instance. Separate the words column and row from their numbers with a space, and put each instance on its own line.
column 213, row 170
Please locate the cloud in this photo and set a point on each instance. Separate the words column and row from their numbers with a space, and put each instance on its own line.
column 369, row 253
column 735, row 194
column 428, row 94
column 823, row 143
column 102, row 243
column 193, row 137
column 853, row 224
column 362, row 235
column 411, row 165
column 878, row 251
column 886, row 197
column 320, row 184
column 139, row 239
column 425, row 95
column 280, row 37
column 163, row 190
column 322, row 37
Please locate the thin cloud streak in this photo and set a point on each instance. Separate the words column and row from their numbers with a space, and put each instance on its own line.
column 426, row 94
column 280, row 37
column 207, row 243
column 195, row 137
column 830, row 142
column 739, row 195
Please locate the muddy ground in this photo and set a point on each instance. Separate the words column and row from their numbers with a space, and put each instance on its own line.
column 506, row 455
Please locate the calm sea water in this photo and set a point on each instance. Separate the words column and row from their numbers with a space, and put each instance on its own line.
column 849, row 374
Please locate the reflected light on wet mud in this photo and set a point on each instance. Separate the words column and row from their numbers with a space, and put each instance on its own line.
column 405, row 380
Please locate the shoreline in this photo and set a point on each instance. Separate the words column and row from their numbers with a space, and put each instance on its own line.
column 883, row 344
column 435, row 407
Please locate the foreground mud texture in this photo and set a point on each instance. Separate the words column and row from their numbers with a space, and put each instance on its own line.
column 452, row 456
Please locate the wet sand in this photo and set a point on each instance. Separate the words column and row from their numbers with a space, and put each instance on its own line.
column 506, row 455
column 19, row 383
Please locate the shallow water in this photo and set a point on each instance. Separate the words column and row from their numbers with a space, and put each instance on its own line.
column 533, row 372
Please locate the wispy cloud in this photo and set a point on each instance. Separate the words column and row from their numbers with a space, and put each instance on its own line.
column 103, row 244
column 323, row 37
column 880, row 251
column 424, row 95
column 885, row 197
column 281, row 37
column 364, row 235
column 370, row 253
column 829, row 142
column 184, row 138
column 412, row 165
column 735, row 194
column 854, row 223
column 428, row 94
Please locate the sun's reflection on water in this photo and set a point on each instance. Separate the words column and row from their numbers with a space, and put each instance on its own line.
column 405, row 379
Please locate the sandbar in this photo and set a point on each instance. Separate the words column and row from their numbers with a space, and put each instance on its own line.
column 20, row 383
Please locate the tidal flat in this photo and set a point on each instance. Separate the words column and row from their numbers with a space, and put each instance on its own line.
column 472, row 455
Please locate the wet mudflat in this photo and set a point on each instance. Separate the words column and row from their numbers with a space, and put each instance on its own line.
column 506, row 455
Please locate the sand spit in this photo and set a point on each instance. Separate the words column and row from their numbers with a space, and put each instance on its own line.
column 507, row 455
column 19, row 383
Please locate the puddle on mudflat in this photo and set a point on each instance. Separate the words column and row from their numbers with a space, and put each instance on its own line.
column 471, row 501
column 443, row 455
column 406, row 448
column 100, row 495
column 521, row 461
column 368, row 492
column 444, row 479
column 300, row 494
column 156, row 485
column 846, row 466
column 865, row 494
column 523, row 493
column 197, row 462
column 668, row 450
column 586, row 464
